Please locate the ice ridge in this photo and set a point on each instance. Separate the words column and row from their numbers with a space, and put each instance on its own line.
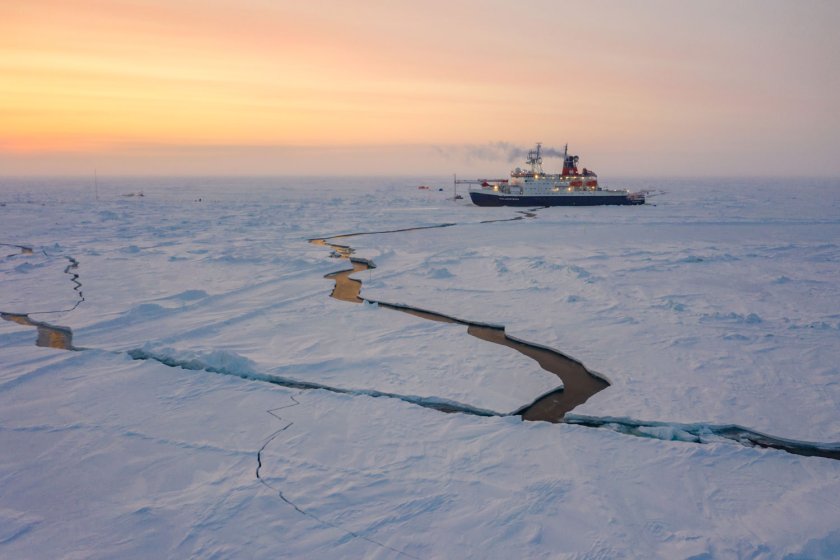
column 706, row 433
column 227, row 364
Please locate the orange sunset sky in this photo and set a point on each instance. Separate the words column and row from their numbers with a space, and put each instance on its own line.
column 251, row 87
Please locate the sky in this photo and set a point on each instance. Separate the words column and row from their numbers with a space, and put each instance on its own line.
column 330, row 87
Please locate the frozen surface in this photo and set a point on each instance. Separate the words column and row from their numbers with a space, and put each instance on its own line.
column 716, row 305
column 719, row 304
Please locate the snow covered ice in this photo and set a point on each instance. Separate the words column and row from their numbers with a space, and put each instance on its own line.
column 716, row 304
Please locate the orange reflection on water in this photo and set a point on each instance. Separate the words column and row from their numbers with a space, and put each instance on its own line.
column 346, row 288
column 578, row 383
column 49, row 336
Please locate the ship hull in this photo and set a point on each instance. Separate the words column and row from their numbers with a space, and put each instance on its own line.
column 494, row 199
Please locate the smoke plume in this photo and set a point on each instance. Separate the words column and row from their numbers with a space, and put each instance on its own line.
column 495, row 151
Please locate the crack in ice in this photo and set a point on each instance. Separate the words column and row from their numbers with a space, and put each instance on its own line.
column 49, row 335
column 77, row 287
column 296, row 507
column 24, row 250
column 579, row 383
column 695, row 433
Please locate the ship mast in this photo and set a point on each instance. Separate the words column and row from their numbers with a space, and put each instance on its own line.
column 535, row 160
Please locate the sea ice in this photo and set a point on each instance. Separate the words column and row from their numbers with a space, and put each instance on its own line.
column 716, row 305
